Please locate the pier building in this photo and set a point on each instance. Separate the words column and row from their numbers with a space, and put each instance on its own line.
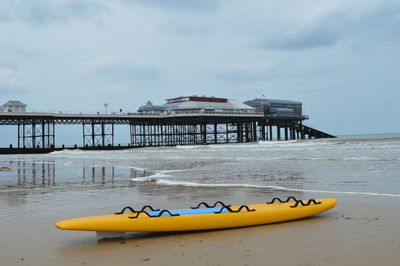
column 13, row 107
column 150, row 108
column 278, row 108
column 197, row 104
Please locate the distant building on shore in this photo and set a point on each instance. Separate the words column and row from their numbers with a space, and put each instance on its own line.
column 13, row 107
column 197, row 104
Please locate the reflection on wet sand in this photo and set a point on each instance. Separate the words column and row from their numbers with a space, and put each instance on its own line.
column 45, row 170
column 44, row 174
column 135, row 173
column 93, row 173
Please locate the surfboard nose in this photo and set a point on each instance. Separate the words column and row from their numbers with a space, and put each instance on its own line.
column 332, row 202
column 60, row 225
column 65, row 224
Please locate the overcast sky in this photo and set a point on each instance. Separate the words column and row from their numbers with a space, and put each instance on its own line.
column 340, row 58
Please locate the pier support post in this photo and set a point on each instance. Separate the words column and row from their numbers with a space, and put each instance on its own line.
column 98, row 134
column 278, row 131
column 226, row 133
column 255, row 131
column 215, row 133
column 270, row 133
column 263, row 132
column 19, row 136
column 247, row 132
column 203, row 132
column 292, row 131
column 286, row 132
column 239, row 137
column 36, row 134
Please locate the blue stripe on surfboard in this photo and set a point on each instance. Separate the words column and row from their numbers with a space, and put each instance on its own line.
column 190, row 211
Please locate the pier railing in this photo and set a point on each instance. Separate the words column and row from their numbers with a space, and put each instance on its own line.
column 132, row 114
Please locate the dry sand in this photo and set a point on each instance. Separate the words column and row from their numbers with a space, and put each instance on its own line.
column 359, row 231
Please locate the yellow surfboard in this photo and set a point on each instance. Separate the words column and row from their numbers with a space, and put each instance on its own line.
column 201, row 217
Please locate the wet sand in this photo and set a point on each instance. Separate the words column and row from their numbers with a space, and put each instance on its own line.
column 361, row 230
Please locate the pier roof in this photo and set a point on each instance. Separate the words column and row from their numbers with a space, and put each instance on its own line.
column 229, row 105
column 276, row 101
column 14, row 103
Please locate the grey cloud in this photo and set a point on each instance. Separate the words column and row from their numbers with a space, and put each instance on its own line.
column 331, row 29
column 180, row 5
column 8, row 90
column 303, row 39
column 122, row 71
column 5, row 89
column 323, row 32
column 9, row 65
column 192, row 30
column 19, row 50
column 247, row 71
column 39, row 12
column 386, row 22
column 237, row 76
column 11, row 80
column 249, row 77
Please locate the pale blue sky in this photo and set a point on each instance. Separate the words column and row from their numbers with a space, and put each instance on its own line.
column 340, row 58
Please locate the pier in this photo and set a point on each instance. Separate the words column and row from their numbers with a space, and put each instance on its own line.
column 36, row 132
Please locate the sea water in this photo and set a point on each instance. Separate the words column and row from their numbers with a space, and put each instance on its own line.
column 354, row 165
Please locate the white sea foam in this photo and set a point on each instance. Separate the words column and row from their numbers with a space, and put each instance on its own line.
column 67, row 163
column 187, row 147
column 331, row 158
column 139, row 169
column 141, row 179
column 159, row 175
column 152, row 177
column 75, row 151
column 166, row 182
column 276, row 148
column 171, row 171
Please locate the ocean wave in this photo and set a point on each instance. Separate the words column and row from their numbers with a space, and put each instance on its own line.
column 226, row 152
column 172, row 171
column 296, row 145
column 362, row 158
column 233, row 149
column 159, row 175
column 74, row 151
column 187, row 147
column 153, row 177
column 166, row 182
column 135, row 168
column 232, row 158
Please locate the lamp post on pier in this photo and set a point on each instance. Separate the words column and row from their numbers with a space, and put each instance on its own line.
column 262, row 104
column 106, row 106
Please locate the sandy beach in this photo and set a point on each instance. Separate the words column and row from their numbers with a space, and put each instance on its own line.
column 359, row 231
